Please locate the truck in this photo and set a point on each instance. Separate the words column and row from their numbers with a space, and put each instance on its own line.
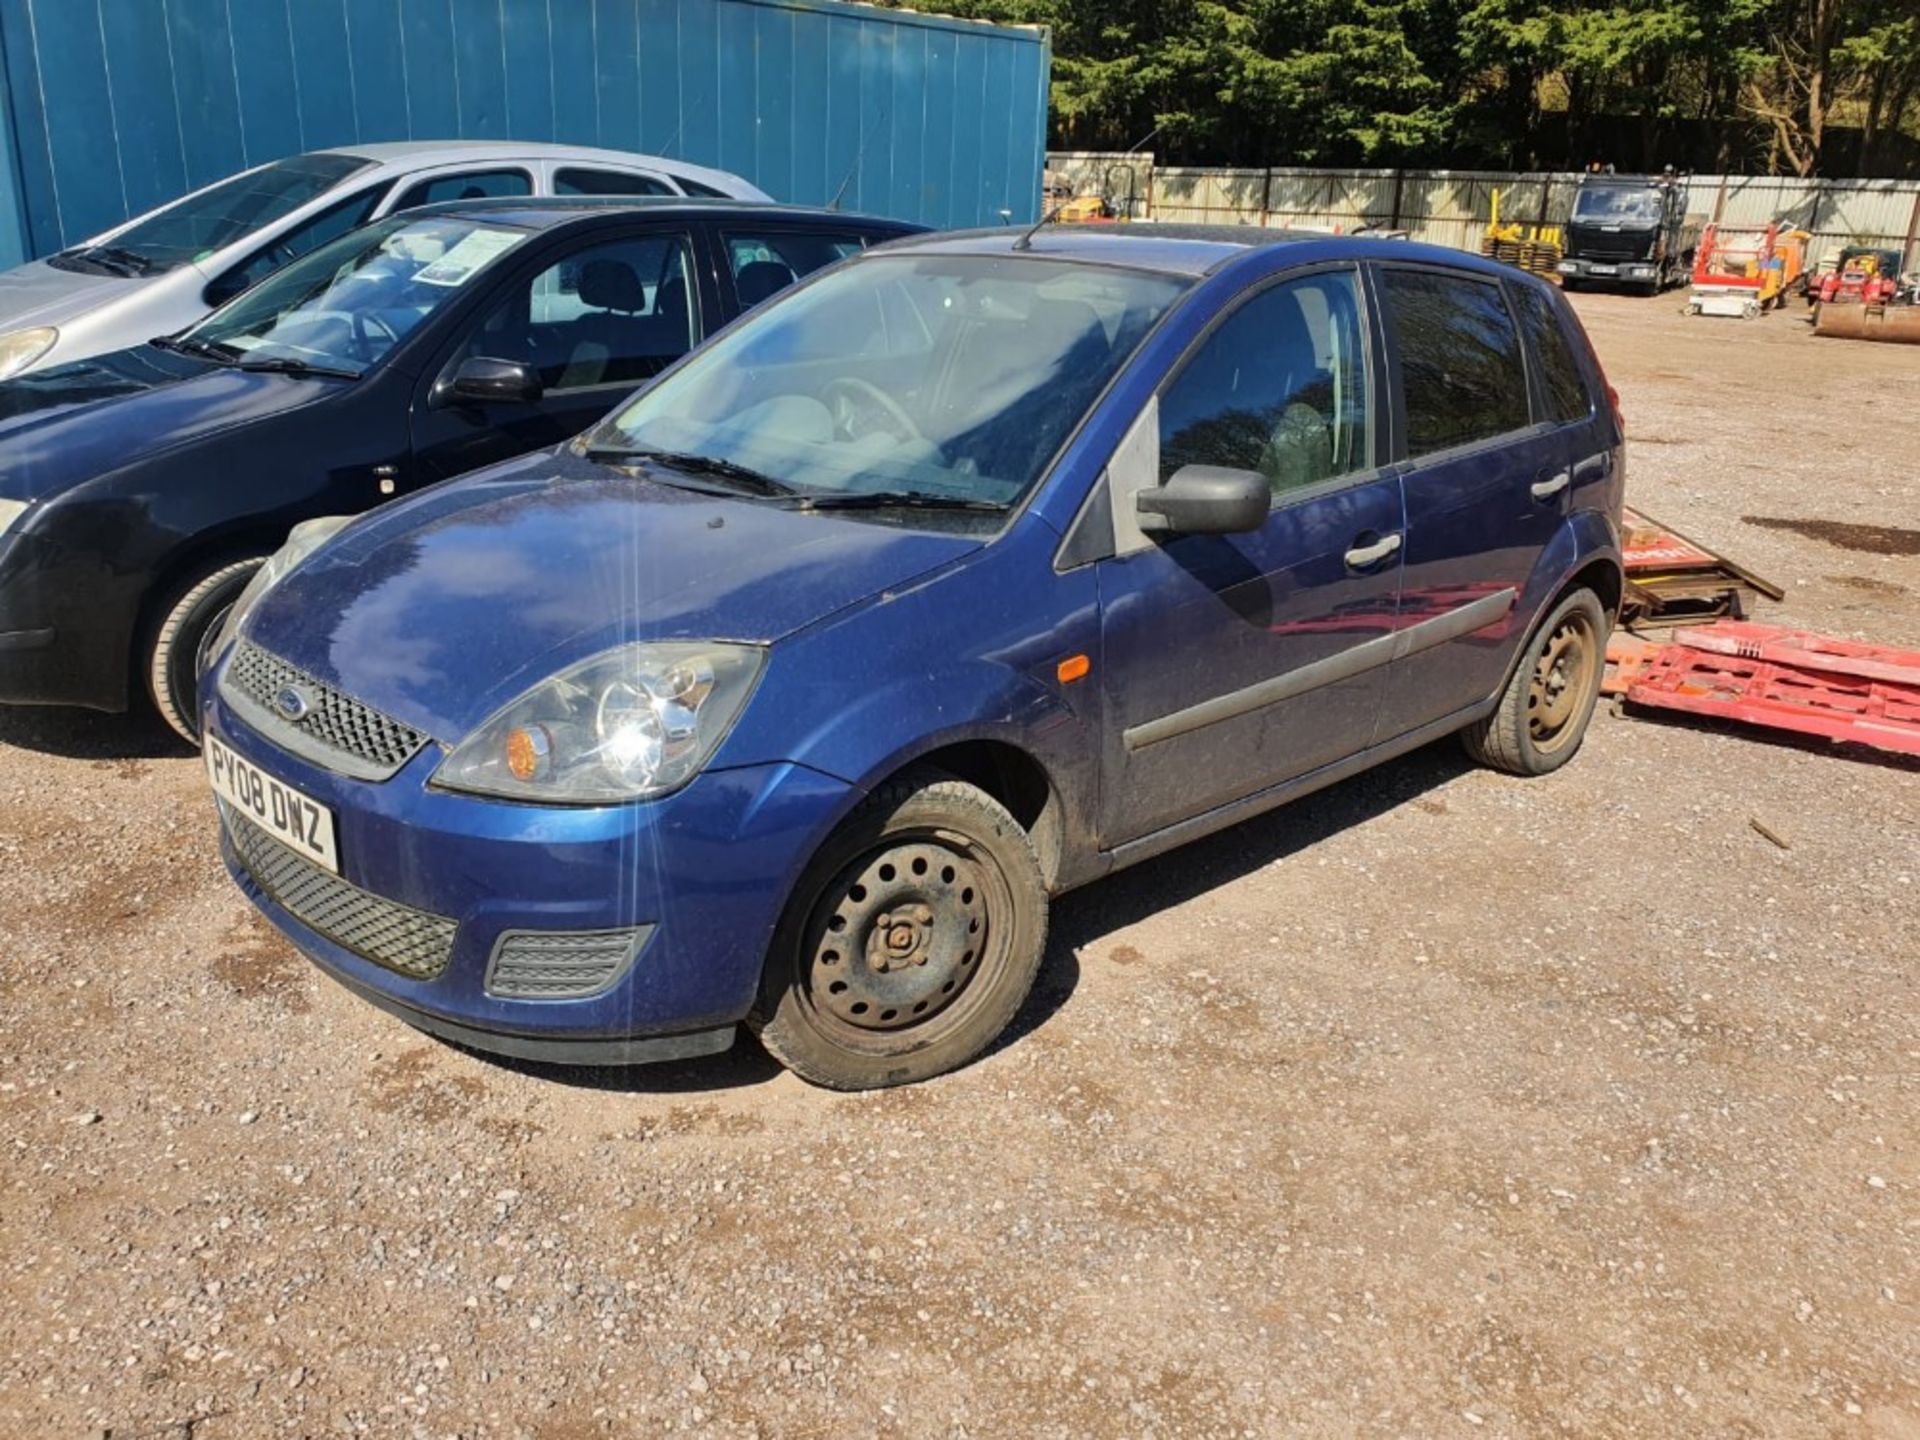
column 1629, row 230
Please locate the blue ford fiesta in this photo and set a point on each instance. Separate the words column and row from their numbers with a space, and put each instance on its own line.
column 965, row 573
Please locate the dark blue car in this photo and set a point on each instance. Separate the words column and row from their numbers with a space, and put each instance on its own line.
column 962, row 574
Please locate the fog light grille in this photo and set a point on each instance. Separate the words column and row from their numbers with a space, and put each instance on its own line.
column 561, row 964
column 407, row 941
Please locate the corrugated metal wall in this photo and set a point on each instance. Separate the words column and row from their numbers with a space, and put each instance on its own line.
column 109, row 107
column 1452, row 207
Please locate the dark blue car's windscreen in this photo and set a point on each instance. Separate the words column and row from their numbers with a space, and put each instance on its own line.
column 948, row 376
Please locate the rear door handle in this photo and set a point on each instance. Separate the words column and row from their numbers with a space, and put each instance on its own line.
column 1362, row 556
column 1594, row 467
column 1552, row 485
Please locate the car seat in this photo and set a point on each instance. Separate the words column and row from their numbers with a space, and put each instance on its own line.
column 761, row 280
column 614, row 298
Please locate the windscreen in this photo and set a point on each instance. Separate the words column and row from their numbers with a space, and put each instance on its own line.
column 946, row 376
column 348, row 303
column 1616, row 205
column 197, row 226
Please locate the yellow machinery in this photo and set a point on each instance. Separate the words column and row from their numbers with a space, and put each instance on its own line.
column 1535, row 248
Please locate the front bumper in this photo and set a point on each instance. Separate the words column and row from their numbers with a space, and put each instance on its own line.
column 699, row 876
column 1628, row 271
column 62, row 640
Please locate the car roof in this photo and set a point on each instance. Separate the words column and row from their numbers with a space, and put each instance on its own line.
column 1186, row 250
column 543, row 212
column 422, row 154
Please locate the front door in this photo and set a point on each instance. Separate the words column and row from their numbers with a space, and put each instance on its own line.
column 595, row 323
column 1233, row 663
column 1486, row 487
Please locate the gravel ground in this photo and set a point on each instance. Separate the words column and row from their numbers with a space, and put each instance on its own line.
column 1439, row 1103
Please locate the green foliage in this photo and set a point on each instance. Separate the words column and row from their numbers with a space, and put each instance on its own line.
column 1497, row 82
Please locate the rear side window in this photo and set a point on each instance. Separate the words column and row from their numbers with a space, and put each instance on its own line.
column 575, row 181
column 468, row 185
column 764, row 265
column 1280, row 387
column 1460, row 368
column 1560, row 377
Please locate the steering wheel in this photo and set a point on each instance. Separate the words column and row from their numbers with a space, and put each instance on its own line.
column 364, row 325
column 849, row 397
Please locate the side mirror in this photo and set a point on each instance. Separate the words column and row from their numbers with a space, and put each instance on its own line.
column 1206, row 500
column 483, row 380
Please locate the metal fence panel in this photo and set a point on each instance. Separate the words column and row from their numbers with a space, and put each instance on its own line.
column 1453, row 207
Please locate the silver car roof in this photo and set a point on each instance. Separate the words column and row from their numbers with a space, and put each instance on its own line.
column 424, row 154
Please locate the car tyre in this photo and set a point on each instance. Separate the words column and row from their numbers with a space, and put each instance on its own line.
column 910, row 943
column 189, row 620
column 1544, row 712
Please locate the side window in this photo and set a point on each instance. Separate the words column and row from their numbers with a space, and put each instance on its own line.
column 764, row 265
column 615, row 313
column 1279, row 387
column 468, row 185
column 1565, row 386
column 575, row 181
column 694, row 187
column 330, row 224
column 1460, row 364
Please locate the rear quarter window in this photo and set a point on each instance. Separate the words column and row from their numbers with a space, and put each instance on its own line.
column 1462, row 376
column 1563, row 384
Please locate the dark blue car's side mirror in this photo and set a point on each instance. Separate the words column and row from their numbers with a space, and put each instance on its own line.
column 483, row 380
column 1206, row 500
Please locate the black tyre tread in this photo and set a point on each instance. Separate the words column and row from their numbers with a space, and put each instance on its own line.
column 174, row 618
column 783, row 1035
column 1500, row 741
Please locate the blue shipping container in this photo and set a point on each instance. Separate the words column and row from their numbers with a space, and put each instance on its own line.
column 107, row 110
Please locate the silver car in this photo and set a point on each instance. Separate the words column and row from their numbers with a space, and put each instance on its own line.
column 161, row 271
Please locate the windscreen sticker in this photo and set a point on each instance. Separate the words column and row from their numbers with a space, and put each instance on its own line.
column 458, row 265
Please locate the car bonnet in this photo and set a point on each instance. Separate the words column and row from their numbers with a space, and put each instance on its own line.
column 439, row 610
column 63, row 426
column 41, row 294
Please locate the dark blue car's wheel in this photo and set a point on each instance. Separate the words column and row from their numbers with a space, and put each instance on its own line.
column 187, row 622
column 912, row 942
column 1544, row 712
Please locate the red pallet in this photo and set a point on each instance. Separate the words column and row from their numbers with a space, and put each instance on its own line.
column 1788, row 680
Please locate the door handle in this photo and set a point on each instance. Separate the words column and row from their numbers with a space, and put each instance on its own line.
column 1594, row 466
column 1552, row 485
column 1361, row 556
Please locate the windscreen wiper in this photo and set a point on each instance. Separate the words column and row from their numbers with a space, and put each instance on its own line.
column 288, row 365
column 199, row 349
column 741, row 477
column 118, row 257
column 897, row 500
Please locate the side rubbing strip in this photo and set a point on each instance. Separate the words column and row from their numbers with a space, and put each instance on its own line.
column 1360, row 658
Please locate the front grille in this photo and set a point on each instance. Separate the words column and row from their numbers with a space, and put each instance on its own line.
column 409, row 942
column 1590, row 242
column 561, row 964
column 337, row 730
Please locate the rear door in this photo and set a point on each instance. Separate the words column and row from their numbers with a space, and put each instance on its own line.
column 1485, row 481
column 596, row 318
column 1235, row 662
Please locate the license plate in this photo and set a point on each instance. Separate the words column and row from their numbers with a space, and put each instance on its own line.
column 1606, row 269
column 302, row 825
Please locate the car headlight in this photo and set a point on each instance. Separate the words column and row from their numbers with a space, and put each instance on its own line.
column 302, row 541
column 20, row 348
column 10, row 511
column 629, row 724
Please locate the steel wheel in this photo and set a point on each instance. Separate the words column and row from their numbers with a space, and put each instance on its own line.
column 912, row 939
column 1563, row 679
column 900, row 934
